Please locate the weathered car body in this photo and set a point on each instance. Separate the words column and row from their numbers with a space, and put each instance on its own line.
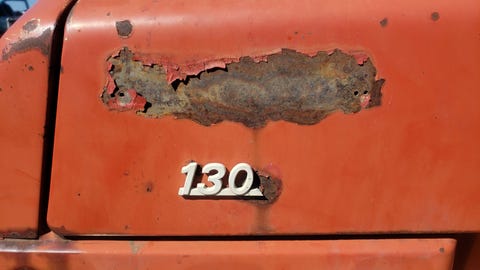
column 355, row 121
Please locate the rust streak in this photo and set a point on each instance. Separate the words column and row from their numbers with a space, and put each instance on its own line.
column 288, row 86
column 271, row 188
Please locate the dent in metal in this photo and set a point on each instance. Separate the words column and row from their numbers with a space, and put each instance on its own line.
column 288, row 86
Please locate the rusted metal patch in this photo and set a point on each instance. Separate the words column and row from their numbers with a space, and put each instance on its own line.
column 124, row 28
column 41, row 43
column 270, row 187
column 19, row 234
column 31, row 25
column 288, row 86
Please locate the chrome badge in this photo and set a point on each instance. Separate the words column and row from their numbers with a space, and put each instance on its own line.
column 215, row 173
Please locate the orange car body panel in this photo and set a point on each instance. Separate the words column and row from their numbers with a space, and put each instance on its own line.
column 409, row 165
column 405, row 167
column 424, row 254
column 24, row 74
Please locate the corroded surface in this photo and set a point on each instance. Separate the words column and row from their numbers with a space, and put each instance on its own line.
column 124, row 28
column 19, row 234
column 271, row 188
column 41, row 43
column 288, row 86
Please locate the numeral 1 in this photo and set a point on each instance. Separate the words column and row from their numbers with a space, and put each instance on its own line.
column 190, row 171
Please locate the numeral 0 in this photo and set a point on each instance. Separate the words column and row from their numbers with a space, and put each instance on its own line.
column 216, row 180
column 247, row 184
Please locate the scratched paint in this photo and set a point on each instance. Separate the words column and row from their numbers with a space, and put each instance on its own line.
column 288, row 86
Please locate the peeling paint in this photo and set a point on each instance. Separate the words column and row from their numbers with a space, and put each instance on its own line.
column 360, row 57
column 289, row 86
column 126, row 101
column 41, row 43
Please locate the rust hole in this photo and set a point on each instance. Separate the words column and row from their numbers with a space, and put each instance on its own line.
column 435, row 16
column 288, row 86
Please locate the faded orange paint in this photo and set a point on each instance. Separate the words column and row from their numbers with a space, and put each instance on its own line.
column 409, row 165
column 421, row 254
column 24, row 71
